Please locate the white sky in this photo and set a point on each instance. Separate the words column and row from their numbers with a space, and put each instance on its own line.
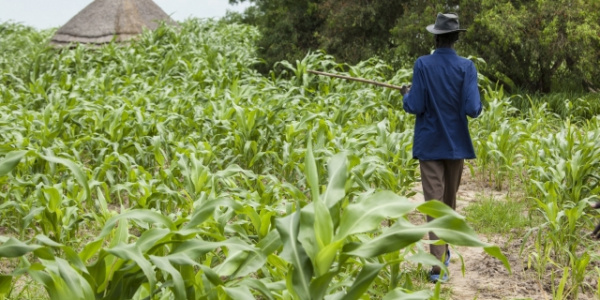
column 44, row 14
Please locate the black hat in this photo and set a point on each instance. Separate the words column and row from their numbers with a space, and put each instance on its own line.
column 445, row 23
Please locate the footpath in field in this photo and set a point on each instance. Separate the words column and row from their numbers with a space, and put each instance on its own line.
column 485, row 277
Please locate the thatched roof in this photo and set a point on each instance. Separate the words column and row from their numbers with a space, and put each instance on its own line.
column 104, row 20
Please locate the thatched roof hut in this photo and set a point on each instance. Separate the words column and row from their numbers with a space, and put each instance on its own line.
column 103, row 21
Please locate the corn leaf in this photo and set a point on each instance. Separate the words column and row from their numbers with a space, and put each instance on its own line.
column 399, row 294
column 15, row 248
column 323, row 223
column 74, row 281
column 363, row 281
column 336, row 188
column 366, row 214
column 165, row 265
column 78, row 173
column 5, row 284
column 140, row 215
column 131, row 252
column 10, row 161
column 302, row 270
column 239, row 292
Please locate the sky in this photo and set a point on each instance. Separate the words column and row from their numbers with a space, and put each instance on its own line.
column 45, row 14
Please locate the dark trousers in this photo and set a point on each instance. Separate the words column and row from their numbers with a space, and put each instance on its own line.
column 440, row 179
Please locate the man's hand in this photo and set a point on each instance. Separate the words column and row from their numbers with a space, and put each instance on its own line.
column 405, row 89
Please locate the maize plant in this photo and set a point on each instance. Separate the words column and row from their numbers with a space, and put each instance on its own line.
column 169, row 168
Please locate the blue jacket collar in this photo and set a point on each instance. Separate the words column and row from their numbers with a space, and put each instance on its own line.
column 444, row 51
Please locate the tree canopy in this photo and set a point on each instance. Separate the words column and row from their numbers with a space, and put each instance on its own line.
column 533, row 45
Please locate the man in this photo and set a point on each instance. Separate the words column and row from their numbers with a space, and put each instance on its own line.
column 443, row 93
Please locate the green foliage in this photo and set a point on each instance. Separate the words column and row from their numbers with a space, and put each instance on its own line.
column 578, row 107
column 550, row 41
column 169, row 169
column 410, row 34
column 536, row 46
column 354, row 31
column 351, row 31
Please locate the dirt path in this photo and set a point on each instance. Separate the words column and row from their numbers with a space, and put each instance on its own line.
column 485, row 277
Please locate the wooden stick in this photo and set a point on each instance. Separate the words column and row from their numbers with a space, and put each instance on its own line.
column 356, row 79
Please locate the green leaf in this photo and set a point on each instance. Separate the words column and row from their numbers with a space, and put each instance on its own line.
column 181, row 259
column 196, row 248
column 140, row 215
column 165, row 265
column 363, row 281
column 239, row 292
column 10, row 161
column 52, row 282
column 427, row 259
column 90, row 249
column 44, row 240
column 399, row 294
column 438, row 209
column 54, row 201
column 302, row 269
column 16, row 248
column 310, row 170
column 5, row 284
column 494, row 251
column 326, row 256
column 323, row 224
column 259, row 286
column 211, row 275
column 449, row 227
column 336, row 189
column 233, row 261
column 397, row 237
column 75, row 282
column 131, row 252
column 367, row 213
column 320, row 285
column 256, row 259
column 306, row 232
column 74, row 259
column 232, row 170
column 80, row 176
column 207, row 208
column 150, row 237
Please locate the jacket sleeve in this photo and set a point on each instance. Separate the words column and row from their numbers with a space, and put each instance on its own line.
column 414, row 102
column 473, row 106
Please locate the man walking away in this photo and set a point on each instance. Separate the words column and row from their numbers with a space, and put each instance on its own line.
column 443, row 93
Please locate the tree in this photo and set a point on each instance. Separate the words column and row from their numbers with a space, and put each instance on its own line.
column 288, row 28
column 412, row 38
column 536, row 45
column 356, row 30
column 350, row 30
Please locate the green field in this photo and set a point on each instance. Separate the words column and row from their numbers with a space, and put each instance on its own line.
column 171, row 169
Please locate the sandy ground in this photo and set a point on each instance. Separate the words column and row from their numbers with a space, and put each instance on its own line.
column 485, row 277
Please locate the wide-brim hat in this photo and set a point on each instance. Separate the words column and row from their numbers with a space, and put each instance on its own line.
column 445, row 23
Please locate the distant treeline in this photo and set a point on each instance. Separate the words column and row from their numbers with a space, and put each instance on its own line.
column 535, row 46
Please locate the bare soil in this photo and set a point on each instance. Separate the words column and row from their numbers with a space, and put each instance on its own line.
column 485, row 277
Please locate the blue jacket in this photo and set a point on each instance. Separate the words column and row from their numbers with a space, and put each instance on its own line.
column 444, row 92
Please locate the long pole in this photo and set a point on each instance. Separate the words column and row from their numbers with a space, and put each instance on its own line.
column 356, row 79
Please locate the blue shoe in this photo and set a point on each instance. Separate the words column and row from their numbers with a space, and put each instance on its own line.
column 436, row 277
